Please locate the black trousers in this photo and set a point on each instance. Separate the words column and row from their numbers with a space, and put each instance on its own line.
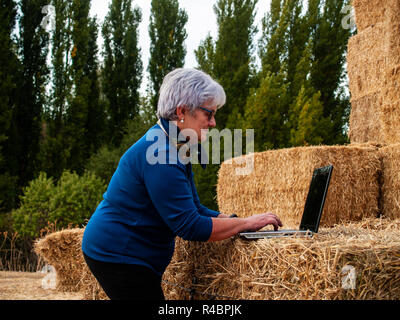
column 126, row 281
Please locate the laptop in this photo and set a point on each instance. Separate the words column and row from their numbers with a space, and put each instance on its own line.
column 312, row 210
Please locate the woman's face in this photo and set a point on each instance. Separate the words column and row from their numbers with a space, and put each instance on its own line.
column 195, row 125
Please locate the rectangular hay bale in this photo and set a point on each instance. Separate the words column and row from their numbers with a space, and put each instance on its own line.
column 367, row 58
column 281, row 178
column 390, row 123
column 391, row 181
column 370, row 12
column 291, row 268
column 364, row 126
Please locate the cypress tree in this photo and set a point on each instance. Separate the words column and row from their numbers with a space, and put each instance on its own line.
column 167, row 35
column 122, row 71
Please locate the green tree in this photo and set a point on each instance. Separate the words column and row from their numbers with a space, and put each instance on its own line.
column 75, row 118
column 96, row 116
column 122, row 71
column 75, row 133
column 23, row 148
column 264, row 114
column 228, row 58
column 205, row 55
column 167, row 36
column 10, row 72
column 54, row 151
column 308, row 126
column 330, row 40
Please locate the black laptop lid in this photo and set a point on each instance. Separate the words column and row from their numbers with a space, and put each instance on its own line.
column 316, row 198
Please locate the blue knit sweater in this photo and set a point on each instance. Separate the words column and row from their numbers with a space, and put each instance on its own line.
column 145, row 207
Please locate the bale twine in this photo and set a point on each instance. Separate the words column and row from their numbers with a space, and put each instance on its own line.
column 62, row 250
column 280, row 180
column 391, row 181
column 292, row 268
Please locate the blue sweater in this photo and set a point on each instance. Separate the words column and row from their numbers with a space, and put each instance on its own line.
column 145, row 206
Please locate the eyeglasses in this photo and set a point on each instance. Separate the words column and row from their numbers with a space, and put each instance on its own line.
column 211, row 113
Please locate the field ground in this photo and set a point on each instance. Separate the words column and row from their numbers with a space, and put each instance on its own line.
column 28, row 286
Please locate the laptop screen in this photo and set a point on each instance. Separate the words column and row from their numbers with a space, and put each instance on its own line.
column 316, row 198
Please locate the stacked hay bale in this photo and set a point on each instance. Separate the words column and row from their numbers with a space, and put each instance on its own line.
column 292, row 268
column 390, row 201
column 373, row 62
column 374, row 79
column 280, row 180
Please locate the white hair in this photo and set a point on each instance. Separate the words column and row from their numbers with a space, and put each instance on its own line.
column 190, row 88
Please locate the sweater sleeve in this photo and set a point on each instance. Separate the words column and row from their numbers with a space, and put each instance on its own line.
column 171, row 194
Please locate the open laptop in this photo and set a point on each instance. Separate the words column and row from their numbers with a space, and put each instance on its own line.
column 312, row 210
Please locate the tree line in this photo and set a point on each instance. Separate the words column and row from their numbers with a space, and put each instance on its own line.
column 66, row 104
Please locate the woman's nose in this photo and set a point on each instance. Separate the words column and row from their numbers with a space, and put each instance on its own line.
column 212, row 123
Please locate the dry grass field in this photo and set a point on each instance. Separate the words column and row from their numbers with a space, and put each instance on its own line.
column 28, row 286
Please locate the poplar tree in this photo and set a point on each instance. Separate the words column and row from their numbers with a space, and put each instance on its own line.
column 78, row 102
column 122, row 71
column 167, row 36
column 233, row 50
column 25, row 131
column 328, row 71
column 9, row 82
column 96, row 114
column 55, row 150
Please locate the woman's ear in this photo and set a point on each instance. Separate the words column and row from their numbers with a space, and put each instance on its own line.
column 180, row 112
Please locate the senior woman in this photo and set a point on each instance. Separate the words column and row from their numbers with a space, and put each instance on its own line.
column 129, row 240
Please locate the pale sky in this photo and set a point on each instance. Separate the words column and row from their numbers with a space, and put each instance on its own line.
column 202, row 20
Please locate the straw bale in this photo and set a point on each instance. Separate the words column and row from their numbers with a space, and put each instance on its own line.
column 371, row 12
column 62, row 250
column 291, row 268
column 364, row 126
column 391, row 85
column 368, row 56
column 281, row 178
column 391, row 181
column 390, row 119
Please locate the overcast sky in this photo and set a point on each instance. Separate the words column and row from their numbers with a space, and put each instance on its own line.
column 201, row 21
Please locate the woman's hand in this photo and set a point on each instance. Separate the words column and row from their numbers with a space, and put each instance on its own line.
column 225, row 228
column 258, row 221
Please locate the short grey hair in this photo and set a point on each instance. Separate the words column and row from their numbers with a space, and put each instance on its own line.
column 190, row 88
